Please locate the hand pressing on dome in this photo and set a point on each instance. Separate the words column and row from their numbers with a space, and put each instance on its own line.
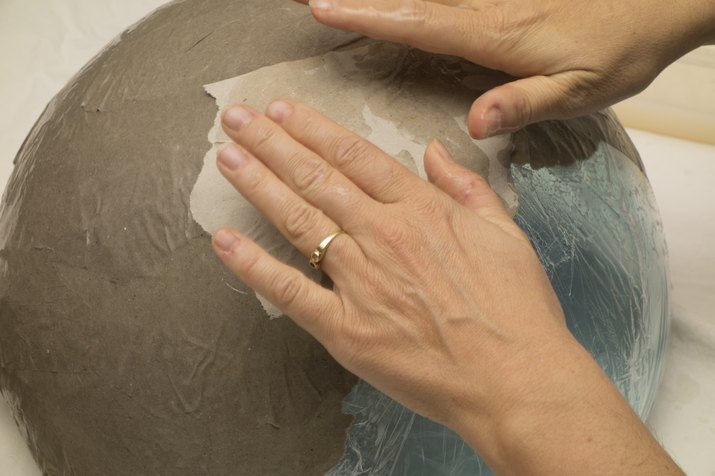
column 567, row 58
column 439, row 300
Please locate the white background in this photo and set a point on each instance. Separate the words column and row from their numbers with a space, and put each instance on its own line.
column 43, row 43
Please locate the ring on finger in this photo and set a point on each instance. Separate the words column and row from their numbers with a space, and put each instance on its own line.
column 319, row 253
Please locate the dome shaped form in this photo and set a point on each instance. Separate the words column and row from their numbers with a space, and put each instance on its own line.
column 127, row 348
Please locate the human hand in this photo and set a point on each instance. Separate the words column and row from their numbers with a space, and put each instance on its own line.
column 437, row 295
column 439, row 300
column 572, row 57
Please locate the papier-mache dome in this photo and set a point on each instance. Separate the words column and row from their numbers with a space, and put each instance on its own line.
column 127, row 348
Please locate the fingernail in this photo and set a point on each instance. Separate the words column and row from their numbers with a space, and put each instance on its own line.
column 237, row 117
column 493, row 118
column 442, row 151
column 321, row 4
column 231, row 157
column 225, row 240
column 279, row 110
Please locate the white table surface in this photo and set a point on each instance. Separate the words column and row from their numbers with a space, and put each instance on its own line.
column 43, row 43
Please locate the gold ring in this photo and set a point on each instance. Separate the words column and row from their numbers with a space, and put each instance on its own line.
column 317, row 256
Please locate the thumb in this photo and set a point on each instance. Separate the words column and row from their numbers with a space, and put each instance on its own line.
column 522, row 102
column 460, row 183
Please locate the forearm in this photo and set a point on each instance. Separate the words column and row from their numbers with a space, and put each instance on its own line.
column 692, row 23
column 568, row 420
column 708, row 22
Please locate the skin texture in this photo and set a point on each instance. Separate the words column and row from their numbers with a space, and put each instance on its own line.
column 567, row 58
column 409, row 314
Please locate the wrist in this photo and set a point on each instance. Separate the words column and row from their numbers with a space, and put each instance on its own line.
column 698, row 25
column 545, row 380
column 672, row 32
column 560, row 414
column 709, row 23
column 533, row 437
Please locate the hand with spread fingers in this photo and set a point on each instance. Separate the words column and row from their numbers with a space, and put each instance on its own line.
column 570, row 57
column 439, row 299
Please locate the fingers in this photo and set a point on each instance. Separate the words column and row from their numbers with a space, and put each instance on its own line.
column 306, row 173
column 484, row 33
column 463, row 185
column 376, row 173
column 300, row 222
column 430, row 26
column 515, row 105
column 313, row 307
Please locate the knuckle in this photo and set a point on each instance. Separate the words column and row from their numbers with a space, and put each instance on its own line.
column 418, row 12
column 431, row 208
column 252, row 182
column 522, row 106
column 249, row 264
column 349, row 150
column 469, row 186
column 262, row 136
column 573, row 94
column 311, row 175
column 467, row 191
column 287, row 288
column 397, row 236
column 300, row 220
column 308, row 125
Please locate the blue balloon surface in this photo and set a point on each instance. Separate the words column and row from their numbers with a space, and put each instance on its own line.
column 596, row 228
